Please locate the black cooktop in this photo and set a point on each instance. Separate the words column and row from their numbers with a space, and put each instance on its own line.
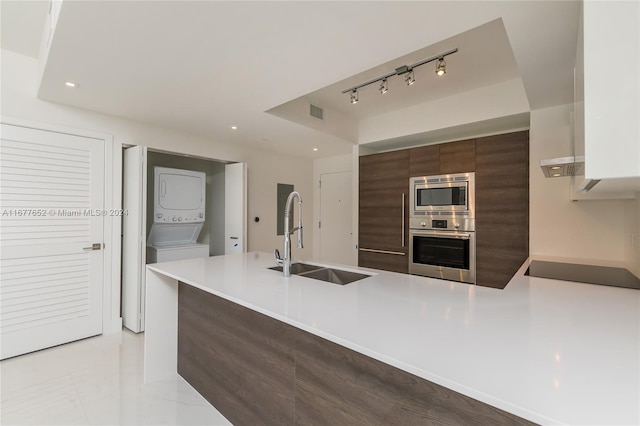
column 604, row 275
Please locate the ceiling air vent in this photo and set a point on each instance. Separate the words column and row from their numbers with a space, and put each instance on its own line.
column 316, row 112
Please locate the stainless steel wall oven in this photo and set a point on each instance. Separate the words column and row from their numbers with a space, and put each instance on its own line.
column 442, row 242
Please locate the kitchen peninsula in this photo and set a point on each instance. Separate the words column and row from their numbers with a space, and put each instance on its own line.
column 546, row 351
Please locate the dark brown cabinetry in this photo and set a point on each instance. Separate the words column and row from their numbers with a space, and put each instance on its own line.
column 502, row 207
column 424, row 161
column 383, row 199
column 458, row 157
column 501, row 164
column 452, row 157
column 260, row 371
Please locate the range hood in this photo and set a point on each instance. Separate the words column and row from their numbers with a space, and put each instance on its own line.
column 563, row 166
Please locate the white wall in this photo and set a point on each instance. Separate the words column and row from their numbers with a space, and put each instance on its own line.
column 339, row 163
column 490, row 102
column 593, row 231
column 265, row 169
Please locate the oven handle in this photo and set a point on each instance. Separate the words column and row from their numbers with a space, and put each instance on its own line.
column 456, row 235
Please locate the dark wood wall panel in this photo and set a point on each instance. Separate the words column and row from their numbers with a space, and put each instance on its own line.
column 458, row 157
column 424, row 161
column 241, row 361
column 502, row 207
column 338, row 386
column 256, row 370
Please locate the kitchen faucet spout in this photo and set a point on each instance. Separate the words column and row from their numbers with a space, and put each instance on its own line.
column 286, row 261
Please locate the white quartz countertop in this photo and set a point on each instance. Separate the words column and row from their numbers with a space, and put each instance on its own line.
column 550, row 351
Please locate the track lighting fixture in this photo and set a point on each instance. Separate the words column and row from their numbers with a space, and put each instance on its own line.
column 441, row 69
column 384, row 86
column 354, row 96
column 410, row 79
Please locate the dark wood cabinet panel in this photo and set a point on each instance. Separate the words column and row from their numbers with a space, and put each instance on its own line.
column 386, row 262
column 241, row 361
column 496, row 266
column 458, row 157
column 384, row 166
column 382, row 227
column 501, row 164
column 260, row 371
column 446, row 158
column 502, row 207
column 424, row 161
column 338, row 386
column 383, row 211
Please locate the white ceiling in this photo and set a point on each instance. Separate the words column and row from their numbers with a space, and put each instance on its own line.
column 203, row 66
column 484, row 58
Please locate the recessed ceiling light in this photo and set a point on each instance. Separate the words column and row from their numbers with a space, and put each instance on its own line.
column 555, row 168
column 315, row 149
column 71, row 84
column 556, row 175
column 234, row 127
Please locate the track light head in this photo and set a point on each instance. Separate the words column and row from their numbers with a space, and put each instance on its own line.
column 410, row 79
column 441, row 68
column 384, row 86
column 406, row 70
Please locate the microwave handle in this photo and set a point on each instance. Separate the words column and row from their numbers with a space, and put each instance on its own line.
column 403, row 219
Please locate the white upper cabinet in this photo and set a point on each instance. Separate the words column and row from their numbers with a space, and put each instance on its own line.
column 607, row 95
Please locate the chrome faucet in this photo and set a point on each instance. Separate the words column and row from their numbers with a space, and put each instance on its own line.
column 286, row 262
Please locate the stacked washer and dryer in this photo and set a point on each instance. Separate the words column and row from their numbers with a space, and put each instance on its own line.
column 179, row 200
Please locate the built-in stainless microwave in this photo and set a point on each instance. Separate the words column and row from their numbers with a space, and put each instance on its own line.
column 453, row 193
column 442, row 241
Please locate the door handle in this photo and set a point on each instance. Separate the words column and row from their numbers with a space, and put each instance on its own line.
column 94, row 246
column 403, row 219
column 234, row 238
column 399, row 253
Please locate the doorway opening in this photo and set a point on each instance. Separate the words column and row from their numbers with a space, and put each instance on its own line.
column 148, row 237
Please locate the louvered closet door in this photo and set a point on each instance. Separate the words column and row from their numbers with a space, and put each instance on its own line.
column 51, row 201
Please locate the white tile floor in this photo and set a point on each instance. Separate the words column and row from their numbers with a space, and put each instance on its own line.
column 96, row 381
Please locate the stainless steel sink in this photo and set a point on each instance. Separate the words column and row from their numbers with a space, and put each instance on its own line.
column 330, row 275
column 334, row 276
column 299, row 268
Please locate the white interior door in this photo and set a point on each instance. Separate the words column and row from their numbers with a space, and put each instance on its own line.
column 336, row 218
column 51, row 238
column 134, row 232
column 235, row 208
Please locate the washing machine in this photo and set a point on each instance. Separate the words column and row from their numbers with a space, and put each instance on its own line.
column 178, row 215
